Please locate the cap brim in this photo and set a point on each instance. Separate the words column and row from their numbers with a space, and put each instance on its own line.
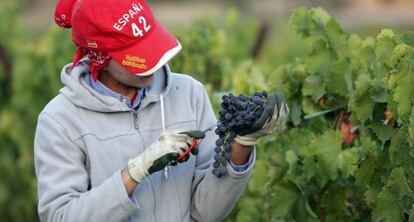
column 150, row 53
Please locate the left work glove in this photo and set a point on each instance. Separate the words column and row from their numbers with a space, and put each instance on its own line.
column 272, row 120
column 168, row 147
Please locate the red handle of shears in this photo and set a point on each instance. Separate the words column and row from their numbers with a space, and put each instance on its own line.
column 195, row 142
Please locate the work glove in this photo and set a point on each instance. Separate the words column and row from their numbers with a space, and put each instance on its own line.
column 168, row 147
column 273, row 119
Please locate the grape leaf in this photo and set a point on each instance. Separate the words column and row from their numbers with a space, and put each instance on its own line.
column 320, row 59
column 385, row 45
column 313, row 86
column 336, row 81
column 390, row 205
column 324, row 151
column 361, row 102
column 410, row 129
column 399, row 52
column 371, row 195
column 285, row 193
column 347, row 161
column 382, row 131
column 406, row 38
column 387, row 208
column 403, row 96
column 301, row 21
column 334, row 204
column 295, row 113
column 309, row 106
column 400, row 152
column 411, row 214
column 379, row 91
column 368, row 165
column 292, row 159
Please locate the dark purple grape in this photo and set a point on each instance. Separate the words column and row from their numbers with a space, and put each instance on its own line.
column 222, row 112
column 224, row 162
column 217, row 149
column 227, row 148
column 243, row 97
column 216, row 164
column 216, row 172
column 227, row 155
column 257, row 100
column 220, row 142
column 218, row 132
column 217, row 157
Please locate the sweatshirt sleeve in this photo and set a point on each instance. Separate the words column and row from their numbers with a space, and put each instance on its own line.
column 63, row 181
column 213, row 198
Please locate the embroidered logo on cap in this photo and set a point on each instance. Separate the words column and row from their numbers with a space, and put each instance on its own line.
column 134, row 61
column 92, row 44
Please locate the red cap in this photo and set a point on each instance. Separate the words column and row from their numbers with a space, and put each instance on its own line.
column 127, row 30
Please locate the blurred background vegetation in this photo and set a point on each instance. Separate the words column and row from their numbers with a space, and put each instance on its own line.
column 230, row 45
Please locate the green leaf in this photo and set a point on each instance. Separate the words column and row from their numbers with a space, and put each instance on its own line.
column 301, row 21
column 320, row 59
column 313, row 86
column 411, row 214
column 300, row 213
column 383, row 132
column 390, row 205
column 399, row 52
column 258, row 180
column 347, row 161
column 371, row 196
column 403, row 96
column 336, row 80
column 334, row 204
column 400, row 152
column 387, row 208
column 320, row 16
column 406, row 38
column 287, row 194
column 324, row 152
column 379, row 91
column 361, row 102
column 410, row 128
column 292, row 159
column 309, row 105
column 385, row 45
column 367, row 166
column 336, row 35
column 295, row 113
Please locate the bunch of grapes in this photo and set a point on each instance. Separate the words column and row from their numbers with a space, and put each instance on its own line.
column 237, row 113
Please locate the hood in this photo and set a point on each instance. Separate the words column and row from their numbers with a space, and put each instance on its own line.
column 77, row 91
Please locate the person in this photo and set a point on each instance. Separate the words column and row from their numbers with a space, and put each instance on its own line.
column 106, row 146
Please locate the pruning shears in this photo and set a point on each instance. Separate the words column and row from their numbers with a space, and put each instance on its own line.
column 197, row 135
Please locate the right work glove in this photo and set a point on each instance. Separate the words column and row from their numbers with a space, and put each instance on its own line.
column 168, row 147
column 273, row 119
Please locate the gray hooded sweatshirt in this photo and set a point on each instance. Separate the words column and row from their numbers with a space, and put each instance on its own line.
column 83, row 140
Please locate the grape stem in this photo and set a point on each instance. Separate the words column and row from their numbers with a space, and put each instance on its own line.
column 211, row 127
